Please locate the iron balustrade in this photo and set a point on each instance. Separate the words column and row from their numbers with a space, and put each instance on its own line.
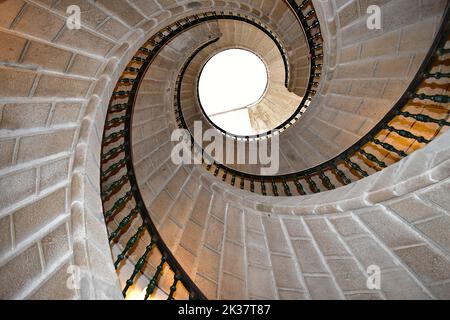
column 380, row 147
column 126, row 216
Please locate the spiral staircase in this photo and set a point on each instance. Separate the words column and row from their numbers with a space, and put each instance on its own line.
column 89, row 191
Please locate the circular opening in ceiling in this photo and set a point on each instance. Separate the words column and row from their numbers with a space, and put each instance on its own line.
column 231, row 82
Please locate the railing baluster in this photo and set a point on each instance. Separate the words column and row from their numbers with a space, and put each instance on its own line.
column 225, row 173
column 138, row 267
column 216, row 171
column 426, row 119
column 132, row 70
column 263, row 188
column 119, row 204
column 312, row 185
column 390, row 148
column 356, row 167
column 300, row 188
column 436, row 75
column 154, row 281
column 274, row 189
column 116, row 186
column 123, row 224
column 407, row 134
column 341, row 175
column 326, row 181
column 115, row 122
column 173, row 287
column 111, row 154
column 127, row 81
column 373, row 158
column 118, row 108
column 113, row 169
column 439, row 98
column 130, row 244
column 287, row 190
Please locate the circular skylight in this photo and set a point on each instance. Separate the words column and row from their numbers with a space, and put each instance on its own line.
column 232, row 81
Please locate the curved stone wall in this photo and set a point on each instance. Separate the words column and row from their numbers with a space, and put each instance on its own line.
column 55, row 87
column 237, row 245
column 366, row 72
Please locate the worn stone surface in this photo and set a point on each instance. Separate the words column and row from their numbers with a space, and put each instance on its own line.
column 54, row 87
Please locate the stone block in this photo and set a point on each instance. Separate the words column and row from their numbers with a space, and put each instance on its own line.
column 192, row 237
column 208, row 287
column 46, row 144
column 234, row 227
column 396, row 14
column 347, row 274
column 295, row 228
column 5, row 235
column 322, row 288
column 428, row 265
column 200, row 210
column 395, row 67
column 181, row 209
column 55, row 287
column 86, row 41
column 347, row 226
column 326, row 239
column 438, row 195
column 37, row 215
column 412, row 209
column 91, row 15
column 47, row 57
column 6, row 152
column 397, row 284
column 260, row 283
column 209, row 262
column 66, row 113
column 348, row 14
column 16, row 83
column 8, row 11
column 233, row 259
column 214, row 234
column 39, row 22
column 275, row 236
column 383, row 45
column 55, row 245
column 232, row 288
column 285, row 272
column 20, row 272
column 122, row 10
column 291, row 295
column 56, row 86
column 175, row 184
column 23, row 116
column 13, row 47
column 84, row 66
column 369, row 252
column 255, row 239
column 438, row 230
column 308, row 257
column 392, row 232
column 417, row 36
column 258, row 256
column 16, row 187
column 160, row 206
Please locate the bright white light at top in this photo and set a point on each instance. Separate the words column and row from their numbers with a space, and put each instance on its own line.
column 230, row 80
